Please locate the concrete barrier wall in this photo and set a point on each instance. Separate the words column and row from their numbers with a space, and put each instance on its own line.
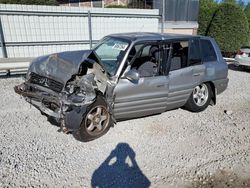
column 31, row 31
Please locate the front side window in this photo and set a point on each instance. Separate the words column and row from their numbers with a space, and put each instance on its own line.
column 111, row 52
column 147, row 60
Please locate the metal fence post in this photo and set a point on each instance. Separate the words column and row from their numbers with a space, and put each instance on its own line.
column 163, row 16
column 90, row 29
column 3, row 47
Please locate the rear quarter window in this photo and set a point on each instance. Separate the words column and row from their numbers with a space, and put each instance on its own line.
column 207, row 50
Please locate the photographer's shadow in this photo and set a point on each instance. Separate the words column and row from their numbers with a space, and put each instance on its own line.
column 120, row 169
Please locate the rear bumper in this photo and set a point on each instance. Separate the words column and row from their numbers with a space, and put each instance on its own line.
column 242, row 61
column 221, row 85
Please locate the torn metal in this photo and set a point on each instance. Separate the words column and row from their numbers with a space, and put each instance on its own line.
column 64, row 85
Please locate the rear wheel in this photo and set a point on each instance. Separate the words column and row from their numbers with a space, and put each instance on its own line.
column 96, row 122
column 200, row 98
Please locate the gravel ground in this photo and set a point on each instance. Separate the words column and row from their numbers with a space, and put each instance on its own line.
column 174, row 149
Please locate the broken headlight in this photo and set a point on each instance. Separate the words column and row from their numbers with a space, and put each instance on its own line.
column 76, row 93
column 81, row 90
column 70, row 88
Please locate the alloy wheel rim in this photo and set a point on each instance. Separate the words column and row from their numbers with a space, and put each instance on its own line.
column 97, row 120
column 200, row 95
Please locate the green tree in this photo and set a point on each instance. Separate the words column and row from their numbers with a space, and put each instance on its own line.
column 206, row 13
column 247, row 12
column 30, row 2
column 229, row 1
column 239, row 3
column 229, row 27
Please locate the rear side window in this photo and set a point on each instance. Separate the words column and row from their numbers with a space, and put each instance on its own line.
column 194, row 52
column 207, row 49
column 179, row 55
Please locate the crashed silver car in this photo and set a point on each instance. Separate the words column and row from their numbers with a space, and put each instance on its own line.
column 125, row 76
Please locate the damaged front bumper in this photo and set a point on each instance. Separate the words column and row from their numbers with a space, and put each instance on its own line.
column 57, row 105
column 66, row 85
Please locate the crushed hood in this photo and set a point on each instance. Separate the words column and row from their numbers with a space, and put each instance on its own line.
column 59, row 66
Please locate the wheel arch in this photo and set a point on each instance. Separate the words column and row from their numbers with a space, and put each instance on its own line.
column 213, row 97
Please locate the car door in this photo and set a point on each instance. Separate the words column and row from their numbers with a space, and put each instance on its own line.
column 185, row 72
column 140, row 98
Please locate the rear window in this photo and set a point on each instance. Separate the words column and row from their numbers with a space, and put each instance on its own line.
column 207, row 50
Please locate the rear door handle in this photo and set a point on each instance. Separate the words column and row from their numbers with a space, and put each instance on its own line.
column 196, row 74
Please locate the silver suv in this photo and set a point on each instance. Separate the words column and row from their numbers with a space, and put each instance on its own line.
column 125, row 76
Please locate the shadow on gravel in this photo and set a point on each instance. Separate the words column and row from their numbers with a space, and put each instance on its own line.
column 237, row 68
column 221, row 178
column 120, row 169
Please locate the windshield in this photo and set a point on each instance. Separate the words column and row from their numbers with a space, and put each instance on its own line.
column 111, row 52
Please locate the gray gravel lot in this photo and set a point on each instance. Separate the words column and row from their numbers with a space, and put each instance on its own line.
column 173, row 149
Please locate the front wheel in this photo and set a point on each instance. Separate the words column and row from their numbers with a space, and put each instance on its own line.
column 200, row 98
column 96, row 122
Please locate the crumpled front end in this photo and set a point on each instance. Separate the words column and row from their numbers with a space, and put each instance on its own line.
column 67, row 107
column 66, row 98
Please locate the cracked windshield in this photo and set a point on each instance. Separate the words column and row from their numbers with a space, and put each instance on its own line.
column 111, row 52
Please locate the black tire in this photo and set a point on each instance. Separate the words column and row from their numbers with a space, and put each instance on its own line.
column 244, row 68
column 192, row 103
column 84, row 134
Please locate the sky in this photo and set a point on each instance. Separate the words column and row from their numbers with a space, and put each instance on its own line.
column 246, row 1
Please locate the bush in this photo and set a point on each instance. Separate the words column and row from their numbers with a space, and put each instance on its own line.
column 206, row 13
column 116, row 6
column 247, row 12
column 229, row 27
column 30, row 2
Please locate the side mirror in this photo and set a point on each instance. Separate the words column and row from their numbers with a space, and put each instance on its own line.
column 132, row 75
